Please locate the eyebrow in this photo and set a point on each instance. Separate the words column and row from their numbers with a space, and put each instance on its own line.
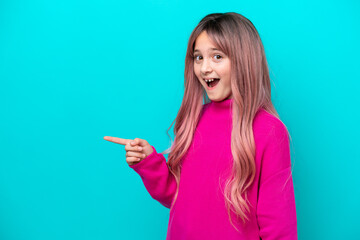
column 212, row 49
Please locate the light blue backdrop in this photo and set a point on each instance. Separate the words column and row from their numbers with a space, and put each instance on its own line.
column 74, row 71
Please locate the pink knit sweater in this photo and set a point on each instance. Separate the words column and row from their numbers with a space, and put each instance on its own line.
column 199, row 211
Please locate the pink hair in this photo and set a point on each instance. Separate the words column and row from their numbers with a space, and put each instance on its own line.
column 237, row 37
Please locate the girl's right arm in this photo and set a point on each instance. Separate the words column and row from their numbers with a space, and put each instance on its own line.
column 157, row 178
column 152, row 168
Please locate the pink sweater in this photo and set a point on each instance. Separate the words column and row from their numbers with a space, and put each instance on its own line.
column 199, row 211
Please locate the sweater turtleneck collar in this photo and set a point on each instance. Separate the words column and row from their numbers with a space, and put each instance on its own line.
column 221, row 105
column 221, row 109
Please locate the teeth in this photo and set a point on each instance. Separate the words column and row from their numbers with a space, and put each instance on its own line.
column 209, row 80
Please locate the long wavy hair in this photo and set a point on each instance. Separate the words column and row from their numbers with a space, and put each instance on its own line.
column 237, row 37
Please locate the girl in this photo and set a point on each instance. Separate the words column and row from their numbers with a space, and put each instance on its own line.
column 228, row 174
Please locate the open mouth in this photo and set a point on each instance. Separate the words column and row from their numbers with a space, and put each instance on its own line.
column 212, row 82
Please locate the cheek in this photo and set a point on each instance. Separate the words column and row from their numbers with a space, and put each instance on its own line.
column 196, row 69
column 226, row 74
column 227, row 82
column 197, row 72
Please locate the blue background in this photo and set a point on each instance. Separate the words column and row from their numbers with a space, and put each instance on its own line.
column 74, row 71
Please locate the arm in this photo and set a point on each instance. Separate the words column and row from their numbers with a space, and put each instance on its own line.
column 151, row 166
column 157, row 178
column 276, row 211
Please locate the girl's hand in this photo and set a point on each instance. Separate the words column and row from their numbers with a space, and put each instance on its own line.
column 136, row 150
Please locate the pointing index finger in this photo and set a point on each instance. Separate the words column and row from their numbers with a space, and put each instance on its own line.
column 121, row 141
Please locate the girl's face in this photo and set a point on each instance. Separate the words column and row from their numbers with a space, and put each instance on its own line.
column 212, row 68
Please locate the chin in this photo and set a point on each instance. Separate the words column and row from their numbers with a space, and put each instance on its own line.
column 216, row 99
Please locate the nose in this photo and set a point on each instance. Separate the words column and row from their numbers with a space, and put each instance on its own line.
column 205, row 67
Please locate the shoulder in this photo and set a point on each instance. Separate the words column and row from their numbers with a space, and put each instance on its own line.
column 267, row 128
column 205, row 107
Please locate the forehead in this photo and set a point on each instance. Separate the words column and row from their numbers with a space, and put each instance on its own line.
column 204, row 43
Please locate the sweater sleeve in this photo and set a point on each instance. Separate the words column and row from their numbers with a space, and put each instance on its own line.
column 276, row 211
column 157, row 178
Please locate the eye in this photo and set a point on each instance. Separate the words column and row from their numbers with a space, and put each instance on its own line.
column 197, row 57
column 217, row 56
